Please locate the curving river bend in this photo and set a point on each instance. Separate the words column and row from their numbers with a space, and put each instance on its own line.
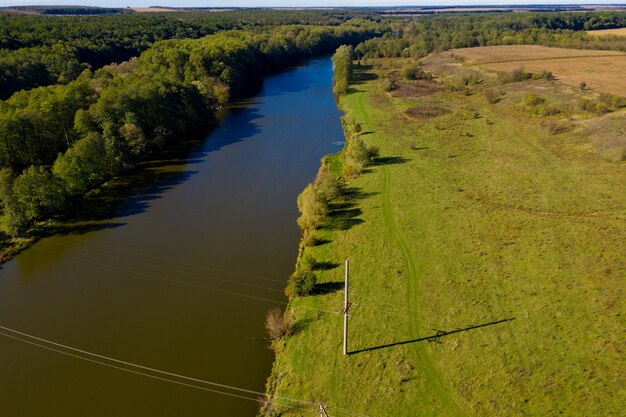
column 178, row 277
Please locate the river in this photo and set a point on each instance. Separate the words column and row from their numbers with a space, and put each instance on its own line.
column 178, row 277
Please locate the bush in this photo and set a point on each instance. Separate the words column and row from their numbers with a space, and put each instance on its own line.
column 492, row 96
column 472, row 79
column 520, row 75
column 352, row 169
column 415, row 72
column 605, row 103
column 356, row 157
column 556, row 126
column 278, row 324
column 391, row 85
column 301, row 283
column 312, row 207
column 309, row 239
column 533, row 100
column 373, row 151
column 516, row 76
column 326, row 184
column 543, row 75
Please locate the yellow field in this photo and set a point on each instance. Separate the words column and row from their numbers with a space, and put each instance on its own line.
column 616, row 32
column 603, row 71
column 152, row 9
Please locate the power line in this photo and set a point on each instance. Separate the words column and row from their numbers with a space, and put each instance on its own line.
column 145, row 368
column 175, row 281
column 188, row 284
column 165, row 375
column 172, row 269
column 176, row 261
column 398, row 307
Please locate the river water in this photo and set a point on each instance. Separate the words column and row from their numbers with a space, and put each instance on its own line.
column 178, row 277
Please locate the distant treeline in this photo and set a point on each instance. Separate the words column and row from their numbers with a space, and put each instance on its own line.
column 59, row 142
column 60, row 10
column 421, row 35
column 37, row 50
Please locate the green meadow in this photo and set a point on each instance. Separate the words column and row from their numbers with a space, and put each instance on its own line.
column 487, row 254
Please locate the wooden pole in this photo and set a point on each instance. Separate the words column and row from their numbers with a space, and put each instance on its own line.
column 346, row 306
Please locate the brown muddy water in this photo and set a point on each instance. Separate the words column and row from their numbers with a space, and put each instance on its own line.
column 178, row 277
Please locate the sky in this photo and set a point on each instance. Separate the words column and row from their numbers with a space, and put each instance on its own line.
column 290, row 3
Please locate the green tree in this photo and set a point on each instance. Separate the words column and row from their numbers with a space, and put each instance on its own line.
column 38, row 193
column 342, row 68
column 85, row 165
column 312, row 207
column 326, row 184
column 13, row 221
column 356, row 157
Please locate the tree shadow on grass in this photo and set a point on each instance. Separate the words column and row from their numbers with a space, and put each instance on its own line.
column 344, row 219
column 355, row 194
column 388, row 160
column 343, row 214
column 327, row 287
column 323, row 266
column 301, row 325
column 433, row 338
column 362, row 73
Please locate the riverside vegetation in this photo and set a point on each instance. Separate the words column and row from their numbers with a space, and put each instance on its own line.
column 98, row 99
column 486, row 246
column 483, row 237
column 58, row 143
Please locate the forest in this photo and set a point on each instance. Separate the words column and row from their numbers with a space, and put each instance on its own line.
column 420, row 36
column 43, row 50
column 59, row 142
column 86, row 97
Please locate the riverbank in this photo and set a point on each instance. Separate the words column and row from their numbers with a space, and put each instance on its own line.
column 486, row 261
column 179, row 275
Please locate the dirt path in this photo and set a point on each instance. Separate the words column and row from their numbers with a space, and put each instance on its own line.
column 425, row 363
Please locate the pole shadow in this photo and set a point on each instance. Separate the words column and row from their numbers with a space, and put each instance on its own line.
column 434, row 338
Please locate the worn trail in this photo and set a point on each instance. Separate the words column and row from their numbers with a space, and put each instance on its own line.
column 425, row 362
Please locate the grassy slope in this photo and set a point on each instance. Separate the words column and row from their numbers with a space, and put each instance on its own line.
column 483, row 222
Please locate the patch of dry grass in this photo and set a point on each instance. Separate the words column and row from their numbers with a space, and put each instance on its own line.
column 418, row 88
column 153, row 9
column 603, row 71
column 603, row 32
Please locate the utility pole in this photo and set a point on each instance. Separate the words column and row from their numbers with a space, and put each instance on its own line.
column 323, row 412
column 346, row 307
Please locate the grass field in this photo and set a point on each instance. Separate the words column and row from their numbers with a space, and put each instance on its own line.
column 603, row 71
column 616, row 32
column 487, row 269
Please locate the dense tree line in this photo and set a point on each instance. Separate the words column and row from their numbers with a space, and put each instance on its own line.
column 342, row 69
column 37, row 66
column 422, row 35
column 43, row 50
column 59, row 142
column 61, row 10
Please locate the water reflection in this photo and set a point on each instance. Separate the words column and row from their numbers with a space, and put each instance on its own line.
column 172, row 267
